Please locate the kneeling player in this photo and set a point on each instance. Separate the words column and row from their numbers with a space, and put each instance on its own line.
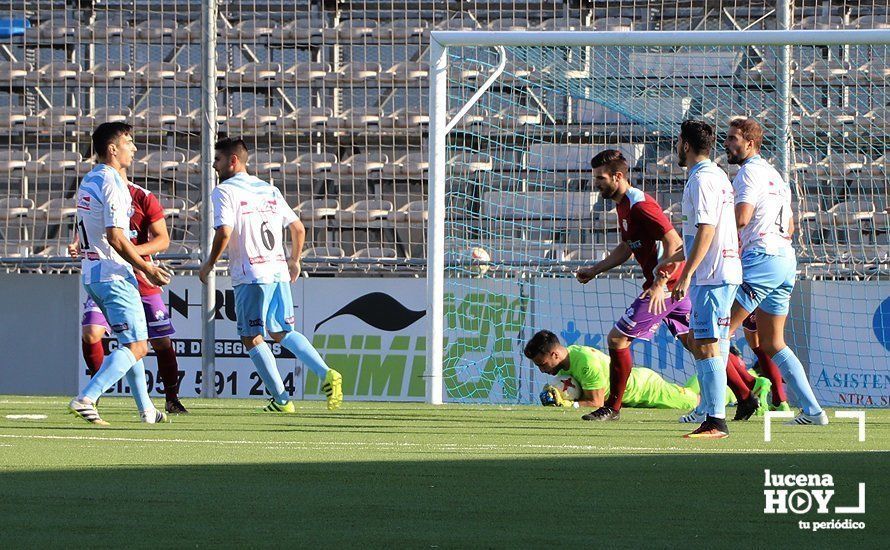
column 590, row 367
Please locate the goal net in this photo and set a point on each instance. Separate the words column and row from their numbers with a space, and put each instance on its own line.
column 515, row 121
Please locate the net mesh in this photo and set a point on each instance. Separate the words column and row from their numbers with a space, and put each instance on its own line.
column 522, row 213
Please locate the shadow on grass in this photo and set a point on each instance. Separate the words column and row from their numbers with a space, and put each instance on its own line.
column 621, row 501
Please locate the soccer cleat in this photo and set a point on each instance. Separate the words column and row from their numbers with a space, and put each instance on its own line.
column 153, row 416
column 745, row 409
column 693, row 417
column 761, row 390
column 804, row 419
column 603, row 414
column 175, row 406
column 783, row 406
column 711, row 428
column 275, row 407
column 87, row 411
column 333, row 388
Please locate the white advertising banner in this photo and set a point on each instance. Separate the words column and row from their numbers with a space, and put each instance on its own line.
column 849, row 347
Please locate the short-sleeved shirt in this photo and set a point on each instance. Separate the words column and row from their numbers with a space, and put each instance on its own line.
column 146, row 211
column 257, row 212
column 708, row 200
column 761, row 186
column 642, row 224
column 103, row 201
column 590, row 367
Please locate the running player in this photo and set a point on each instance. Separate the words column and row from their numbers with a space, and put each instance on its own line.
column 644, row 388
column 765, row 224
column 104, row 207
column 249, row 215
column 712, row 272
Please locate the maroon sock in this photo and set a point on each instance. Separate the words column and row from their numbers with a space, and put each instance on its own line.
column 620, row 364
column 735, row 362
column 168, row 371
column 93, row 355
column 735, row 382
column 771, row 371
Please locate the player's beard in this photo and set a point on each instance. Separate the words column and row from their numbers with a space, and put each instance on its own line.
column 733, row 158
column 681, row 158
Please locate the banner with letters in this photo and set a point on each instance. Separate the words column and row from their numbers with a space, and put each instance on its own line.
column 849, row 353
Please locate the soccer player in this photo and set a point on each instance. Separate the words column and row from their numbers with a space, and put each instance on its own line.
column 148, row 232
column 712, row 271
column 765, row 365
column 249, row 215
column 648, row 235
column 765, row 224
column 104, row 207
column 644, row 388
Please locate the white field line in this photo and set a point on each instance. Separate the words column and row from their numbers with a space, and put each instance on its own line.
column 444, row 447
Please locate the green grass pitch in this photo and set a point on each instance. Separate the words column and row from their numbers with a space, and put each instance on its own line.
column 375, row 474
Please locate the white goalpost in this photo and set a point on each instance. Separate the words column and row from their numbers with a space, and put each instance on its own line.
column 515, row 118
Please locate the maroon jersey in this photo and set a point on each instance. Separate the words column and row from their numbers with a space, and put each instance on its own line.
column 643, row 224
column 146, row 211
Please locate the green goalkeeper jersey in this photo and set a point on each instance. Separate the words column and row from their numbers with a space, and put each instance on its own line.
column 590, row 367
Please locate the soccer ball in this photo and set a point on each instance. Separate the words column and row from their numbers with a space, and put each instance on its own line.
column 478, row 261
column 568, row 386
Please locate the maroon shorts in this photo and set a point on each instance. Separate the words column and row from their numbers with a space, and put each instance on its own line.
column 156, row 316
column 637, row 322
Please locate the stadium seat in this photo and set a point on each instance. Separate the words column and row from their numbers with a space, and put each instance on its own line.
column 57, row 72
column 157, row 73
column 111, row 114
column 847, row 213
column 159, row 164
column 174, row 207
column 411, row 166
column 872, row 22
column 364, row 212
column 614, row 24
column 299, row 30
column 839, row 164
column 193, row 31
column 306, row 71
column 105, row 73
column 460, row 22
column 563, row 24
column 104, row 30
column 401, row 30
column 317, row 209
column 376, row 253
column 364, row 164
column 821, row 22
column 351, row 30
column 589, row 253
column 50, row 31
column 153, row 30
column 310, row 164
column 665, row 167
column 469, row 163
column 509, row 24
column 50, row 120
column 512, row 118
column 12, row 160
column 405, row 73
column 14, row 71
column 828, row 118
column 256, row 120
column 354, row 73
column 826, row 70
column 414, row 212
column 405, row 119
column 878, row 168
column 357, row 118
column 56, row 210
column 14, row 207
column 266, row 162
column 57, row 162
column 323, row 253
column 252, row 30
column 304, row 118
column 156, row 118
column 255, row 74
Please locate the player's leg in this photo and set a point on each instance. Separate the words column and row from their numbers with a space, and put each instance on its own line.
column 280, row 322
column 251, row 305
column 160, row 329
column 655, row 392
column 711, row 307
column 93, row 328
column 768, row 369
column 736, row 376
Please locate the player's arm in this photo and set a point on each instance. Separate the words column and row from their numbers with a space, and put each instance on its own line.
column 220, row 242
column 616, row 257
column 120, row 242
column 671, row 244
column 704, row 235
column 592, row 398
column 74, row 246
column 743, row 213
column 160, row 239
column 297, row 240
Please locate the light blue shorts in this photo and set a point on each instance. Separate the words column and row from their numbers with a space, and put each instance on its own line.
column 264, row 307
column 122, row 306
column 767, row 282
column 711, row 307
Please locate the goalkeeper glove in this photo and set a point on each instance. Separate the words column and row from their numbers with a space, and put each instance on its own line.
column 552, row 397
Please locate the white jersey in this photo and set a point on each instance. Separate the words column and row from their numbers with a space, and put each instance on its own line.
column 103, row 201
column 708, row 199
column 761, row 186
column 256, row 211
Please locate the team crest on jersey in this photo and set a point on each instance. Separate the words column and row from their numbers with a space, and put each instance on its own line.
column 84, row 202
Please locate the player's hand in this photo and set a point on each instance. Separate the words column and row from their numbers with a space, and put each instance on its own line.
column 665, row 269
column 74, row 250
column 656, row 296
column 584, row 275
column 204, row 272
column 681, row 290
column 158, row 275
column 293, row 267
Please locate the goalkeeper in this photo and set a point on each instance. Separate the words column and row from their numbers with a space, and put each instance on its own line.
column 590, row 367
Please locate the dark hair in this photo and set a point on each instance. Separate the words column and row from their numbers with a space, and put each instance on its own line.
column 232, row 146
column 750, row 129
column 106, row 133
column 542, row 342
column 698, row 134
column 612, row 159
